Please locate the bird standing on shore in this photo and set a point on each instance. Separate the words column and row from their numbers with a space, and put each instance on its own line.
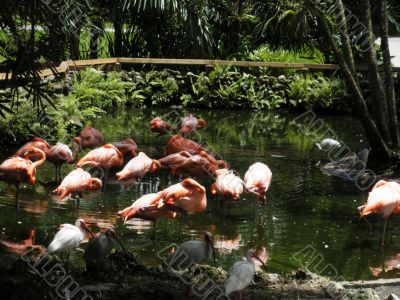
column 241, row 274
column 69, row 237
column 328, row 144
column 192, row 252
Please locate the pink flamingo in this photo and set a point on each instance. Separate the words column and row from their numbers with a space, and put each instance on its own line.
column 160, row 126
column 384, row 199
column 135, row 211
column 76, row 182
column 138, row 167
column 16, row 170
column 258, row 180
column 201, row 164
column 58, row 155
column 191, row 123
column 37, row 143
column 227, row 184
column 186, row 197
column 105, row 157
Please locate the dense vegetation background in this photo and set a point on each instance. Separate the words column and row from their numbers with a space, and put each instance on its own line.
column 41, row 33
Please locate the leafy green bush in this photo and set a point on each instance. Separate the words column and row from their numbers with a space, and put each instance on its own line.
column 318, row 92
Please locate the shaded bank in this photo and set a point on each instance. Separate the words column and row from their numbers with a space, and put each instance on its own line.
column 126, row 277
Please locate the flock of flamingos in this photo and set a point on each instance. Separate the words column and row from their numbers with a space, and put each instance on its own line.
column 182, row 156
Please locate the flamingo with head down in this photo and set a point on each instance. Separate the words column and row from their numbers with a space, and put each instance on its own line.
column 177, row 144
column 191, row 123
column 201, row 164
column 16, row 170
column 384, row 199
column 186, row 197
column 227, row 184
column 135, row 211
column 76, row 182
column 258, row 180
column 138, row 167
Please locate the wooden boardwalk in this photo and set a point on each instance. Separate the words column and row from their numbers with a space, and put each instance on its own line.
column 71, row 65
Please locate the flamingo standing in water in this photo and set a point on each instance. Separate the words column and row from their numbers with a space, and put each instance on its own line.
column 201, row 164
column 58, row 155
column 174, row 159
column 186, row 197
column 241, row 274
column 227, row 184
column 69, row 237
column 191, row 123
column 138, row 167
column 384, row 199
column 89, row 138
column 16, row 170
column 36, row 143
column 76, row 182
column 160, row 126
column 135, row 211
column 257, row 180
column 177, row 144
column 105, row 157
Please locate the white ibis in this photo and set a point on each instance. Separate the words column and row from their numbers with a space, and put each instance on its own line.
column 69, row 237
column 328, row 144
column 192, row 252
column 241, row 274
column 98, row 248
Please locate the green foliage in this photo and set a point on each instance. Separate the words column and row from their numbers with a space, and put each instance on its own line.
column 318, row 92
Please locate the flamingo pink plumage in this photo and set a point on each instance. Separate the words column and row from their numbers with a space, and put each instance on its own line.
column 258, row 180
column 77, row 181
column 227, row 184
column 138, row 167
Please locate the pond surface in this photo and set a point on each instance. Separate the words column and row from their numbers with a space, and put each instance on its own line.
column 306, row 209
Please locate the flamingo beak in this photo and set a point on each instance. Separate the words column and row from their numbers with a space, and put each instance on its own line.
column 260, row 260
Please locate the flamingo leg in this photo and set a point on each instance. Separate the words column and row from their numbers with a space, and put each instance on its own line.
column 17, row 196
column 384, row 230
column 154, row 230
column 180, row 226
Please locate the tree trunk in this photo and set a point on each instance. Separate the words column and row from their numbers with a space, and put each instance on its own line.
column 389, row 84
column 344, row 36
column 118, row 26
column 95, row 33
column 75, row 37
column 374, row 137
column 376, row 88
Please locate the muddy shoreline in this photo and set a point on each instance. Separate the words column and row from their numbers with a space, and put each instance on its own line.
column 35, row 276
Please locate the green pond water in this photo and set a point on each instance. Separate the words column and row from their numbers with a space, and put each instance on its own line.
column 306, row 209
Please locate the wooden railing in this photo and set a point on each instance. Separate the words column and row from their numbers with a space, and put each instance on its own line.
column 70, row 65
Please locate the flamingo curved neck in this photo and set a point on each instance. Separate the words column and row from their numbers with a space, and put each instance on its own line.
column 41, row 160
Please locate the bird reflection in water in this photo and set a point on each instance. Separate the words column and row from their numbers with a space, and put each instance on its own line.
column 390, row 265
column 23, row 246
column 226, row 244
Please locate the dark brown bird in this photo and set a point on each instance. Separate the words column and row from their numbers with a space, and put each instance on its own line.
column 89, row 138
column 127, row 147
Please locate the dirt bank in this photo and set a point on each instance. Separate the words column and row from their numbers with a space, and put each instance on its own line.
column 36, row 276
